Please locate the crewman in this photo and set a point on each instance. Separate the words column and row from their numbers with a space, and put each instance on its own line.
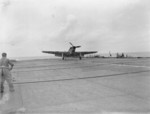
column 5, row 74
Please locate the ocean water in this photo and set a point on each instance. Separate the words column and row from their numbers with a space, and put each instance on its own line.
column 139, row 54
column 130, row 54
column 31, row 58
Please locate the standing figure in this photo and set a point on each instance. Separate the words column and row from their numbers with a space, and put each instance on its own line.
column 5, row 74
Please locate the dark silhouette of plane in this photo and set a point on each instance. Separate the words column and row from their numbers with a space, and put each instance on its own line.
column 120, row 55
column 70, row 53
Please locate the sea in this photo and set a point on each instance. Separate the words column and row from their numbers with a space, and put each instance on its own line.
column 129, row 54
column 32, row 58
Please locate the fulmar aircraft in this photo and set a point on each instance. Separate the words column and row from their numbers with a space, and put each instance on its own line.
column 70, row 53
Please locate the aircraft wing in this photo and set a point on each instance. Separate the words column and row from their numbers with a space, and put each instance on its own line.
column 54, row 52
column 86, row 52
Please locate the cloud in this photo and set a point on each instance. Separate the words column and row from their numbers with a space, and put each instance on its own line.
column 4, row 4
column 132, row 25
column 96, row 25
column 67, row 28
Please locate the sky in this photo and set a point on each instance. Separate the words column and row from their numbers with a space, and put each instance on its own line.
column 28, row 27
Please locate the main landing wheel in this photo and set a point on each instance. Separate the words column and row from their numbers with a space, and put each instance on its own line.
column 80, row 58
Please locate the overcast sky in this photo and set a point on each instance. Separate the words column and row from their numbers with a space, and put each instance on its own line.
column 29, row 26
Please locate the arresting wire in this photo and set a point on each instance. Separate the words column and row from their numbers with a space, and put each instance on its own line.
column 80, row 78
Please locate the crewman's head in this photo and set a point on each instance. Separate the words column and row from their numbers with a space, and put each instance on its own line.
column 4, row 54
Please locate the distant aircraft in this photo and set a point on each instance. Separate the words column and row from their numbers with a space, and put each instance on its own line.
column 70, row 53
column 120, row 55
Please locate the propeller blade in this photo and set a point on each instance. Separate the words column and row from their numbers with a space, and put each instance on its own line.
column 74, row 46
column 77, row 46
column 71, row 43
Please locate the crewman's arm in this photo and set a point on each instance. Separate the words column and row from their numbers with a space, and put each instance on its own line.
column 11, row 64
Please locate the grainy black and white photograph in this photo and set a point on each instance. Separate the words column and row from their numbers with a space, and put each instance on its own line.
column 75, row 57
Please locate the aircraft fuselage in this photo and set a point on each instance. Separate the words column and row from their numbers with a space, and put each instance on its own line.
column 69, row 55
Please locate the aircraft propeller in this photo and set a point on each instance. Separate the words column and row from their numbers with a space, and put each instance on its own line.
column 74, row 46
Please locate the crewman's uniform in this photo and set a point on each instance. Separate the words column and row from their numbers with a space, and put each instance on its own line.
column 5, row 74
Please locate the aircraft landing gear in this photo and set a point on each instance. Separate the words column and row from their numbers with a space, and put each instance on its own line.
column 63, row 56
column 80, row 57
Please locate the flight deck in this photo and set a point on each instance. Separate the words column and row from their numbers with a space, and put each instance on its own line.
column 72, row 86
